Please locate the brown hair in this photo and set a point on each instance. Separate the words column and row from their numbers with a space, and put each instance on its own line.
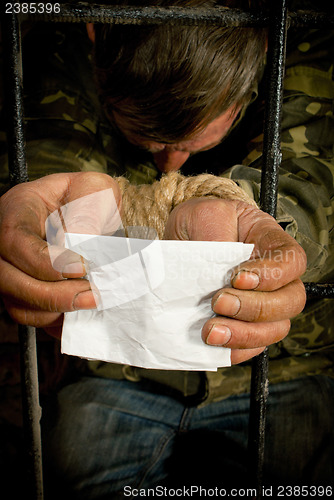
column 169, row 81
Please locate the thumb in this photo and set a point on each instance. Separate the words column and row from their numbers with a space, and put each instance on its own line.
column 204, row 219
column 91, row 205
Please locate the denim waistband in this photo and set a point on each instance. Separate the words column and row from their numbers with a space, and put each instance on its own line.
column 190, row 386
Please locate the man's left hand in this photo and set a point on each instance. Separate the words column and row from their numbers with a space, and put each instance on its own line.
column 266, row 291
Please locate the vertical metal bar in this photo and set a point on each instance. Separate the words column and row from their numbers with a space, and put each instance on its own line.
column 18, row 173
column 268, row 202
column 31, row 411
column 14, row 102
column 273, row 113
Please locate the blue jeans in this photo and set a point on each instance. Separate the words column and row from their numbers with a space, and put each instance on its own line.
column 103, row 435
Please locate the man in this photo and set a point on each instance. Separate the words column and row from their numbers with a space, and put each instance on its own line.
column 137, row 423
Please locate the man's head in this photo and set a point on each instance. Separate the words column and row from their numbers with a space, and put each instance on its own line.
column 168, row 86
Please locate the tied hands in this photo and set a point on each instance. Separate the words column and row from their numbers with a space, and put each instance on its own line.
column 253, row 313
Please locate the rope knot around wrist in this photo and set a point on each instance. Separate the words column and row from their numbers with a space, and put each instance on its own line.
column 149, row 205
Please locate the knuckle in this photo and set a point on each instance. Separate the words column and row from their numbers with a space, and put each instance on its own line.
column 283, row 329
column 258, row 312
column 19, row 315
column 53, row 303
column 249, row 338
column 59, row 299
column 302, row 258
column 301, row 294
column 297, row 298
column 287, row 327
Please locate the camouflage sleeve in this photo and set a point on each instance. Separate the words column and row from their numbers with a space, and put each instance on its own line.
column 62, row 114
column 64, row 124
column 305, row 195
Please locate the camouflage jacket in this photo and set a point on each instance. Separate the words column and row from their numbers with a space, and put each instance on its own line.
column 66, row 131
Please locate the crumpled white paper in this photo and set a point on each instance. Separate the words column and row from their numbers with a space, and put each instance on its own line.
column 155, row 296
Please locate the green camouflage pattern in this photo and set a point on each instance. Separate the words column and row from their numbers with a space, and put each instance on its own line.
column 67, row 131
column 65, row 127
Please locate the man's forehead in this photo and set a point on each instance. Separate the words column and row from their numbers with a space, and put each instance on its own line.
column 124, row 124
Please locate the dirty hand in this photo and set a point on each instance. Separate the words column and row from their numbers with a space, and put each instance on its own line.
column 265, row 292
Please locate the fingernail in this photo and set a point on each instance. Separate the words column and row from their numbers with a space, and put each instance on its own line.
column 86, row 300
column 219, row 335
column 227, row 304
column 74, row 268
column 246, row 279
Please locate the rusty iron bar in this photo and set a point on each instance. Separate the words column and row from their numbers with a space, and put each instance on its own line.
column 118, row 14
column 31, row 411
column 14, row 102
column 312, row 19
column 90, row 12
column 268, row 201
column 273, row 111
column 319, row 290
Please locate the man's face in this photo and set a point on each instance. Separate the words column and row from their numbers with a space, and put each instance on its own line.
column 171, row 157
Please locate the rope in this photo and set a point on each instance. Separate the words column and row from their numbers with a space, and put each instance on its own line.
column 149, row 205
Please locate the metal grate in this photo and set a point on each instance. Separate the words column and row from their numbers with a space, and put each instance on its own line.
column 278, row 19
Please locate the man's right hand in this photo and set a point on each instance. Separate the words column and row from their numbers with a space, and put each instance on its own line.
column 36, row 291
